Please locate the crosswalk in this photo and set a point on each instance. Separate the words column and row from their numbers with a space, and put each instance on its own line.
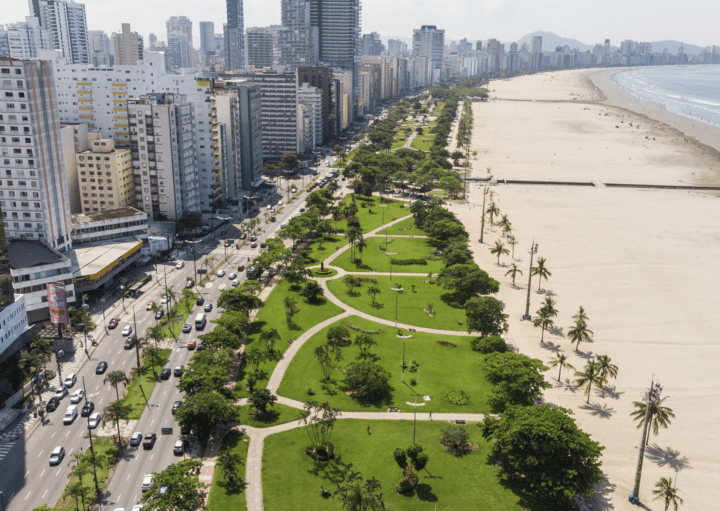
column 245, row 252
column 5, row 449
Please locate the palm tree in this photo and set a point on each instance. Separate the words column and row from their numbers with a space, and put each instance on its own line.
column 115, row 378
column 503, row 221
column 155, row 333
column 580, row 332
column 208, row 261
column 607, row 368
column 512, row 242
column 507, row 229
column 361, row 244
column 560, row 360
column 155, row 307
column 549, row 304
column 493, row 211
column 581, row 315
column 117, row 411
column 667, row 492
column 172, row 295
column 353, row 233
column 544, row 321
column 269, row 337
column 541, row 270
column 589, row 376
column 659, row 416
column 499, row 250
column 514, row 270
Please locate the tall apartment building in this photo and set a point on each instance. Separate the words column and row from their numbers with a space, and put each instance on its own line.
column 397, row 47
column 536, row 44
column 4, row 44
column 128, row 46
column 105, row 175
column 25, row 39
column 429, row 42
column 207, row 37
column 297, row 41
column 67, row 24
column 259, row 45
column 310, row 116
column 320, row 78
column 100, row 48
column 164, row 155
column 180, row 44
column 251, row 132
column 34, row 193
column 226, row 146
column 234, row 35
column 372, row 44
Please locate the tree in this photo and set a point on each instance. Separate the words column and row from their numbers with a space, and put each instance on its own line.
column 229, row 462
column 659, row 416
column 518, row 379
column 353, row 234
column 208, row 369
column 358, row 496
column 513, row 242
column 364, row 342
column 312, row 292
column 514, row 270
column 499, row 250
column 220, row 337
column 319, row 421
column 115, row 378
column 337, row 334
column 80, row 468
column 544, row 321
column 560, row 360
column 543, row 453
column 32, row 361
column 78, row 490
column 255, row 357
column 204, row 411
column 467, row 281
column 504, row 222
column 607, row 368
column 455, row 156
column 289, row 161
column 372, row 292
column 325, row 354
column 667, row 492
column 155, row 334
column 580, row 332
column 454, row 437
column 270, row 337
column 183, row 489
column 588, row 377
column 451, row 184
column 117, row 411
column 493, row 211
column 491, row 344
column 581, row 315
column 261, row 399
column 507, row 229
column 361, row 245
column 349, row 282
column 485, row 315
column 368, row 380
column 239, row 300
column 541, row 271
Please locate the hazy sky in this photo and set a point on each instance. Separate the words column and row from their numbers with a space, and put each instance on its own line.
column 590, row 21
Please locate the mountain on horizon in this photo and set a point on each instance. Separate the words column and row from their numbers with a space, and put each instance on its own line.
column 552, row 41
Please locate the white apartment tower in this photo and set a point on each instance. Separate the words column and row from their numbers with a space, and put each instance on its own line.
column 34, row 195
column 429, row 42
column 207, row 37
column 297, row 41
column 67, row 24
column 259, row 45
column 26, row 38
column 179, row 41
column 100, row 48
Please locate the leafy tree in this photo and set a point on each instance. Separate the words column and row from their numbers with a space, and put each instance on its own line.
column 358, row 496
column 361, row 245
column 518, row 379
column 338, row 334
column 607, row 368
column 514, row 270
column 467, row 281
column 542, row 452
column 372, row 292
column 117, row 411
column 485, row 315
column 457, row 254
column 491, row 344
column 255, row 357
column 312, row 292
column 454, row 437
column 208, row 369
column 220, row 337
column 261, row 399
column 666, row 491
column 33, row 360
column 78, row 490
column 115, row 378
column 544, row 321
column 541, row 271
column 229, row 462
column 560, row 360
column 580, row 332
column 238, row 299
column 588, row 377
column 451, row 184
column 456, row 156
column 659, row 416
column 325, row 354
column 499, row 250
column 319, row 420
column 364, row 342
column 400, row 457
column 270, row 337
column 349, row 282
column 204, row 411
column 289, row 161
column 368, row 380
column 183, row 488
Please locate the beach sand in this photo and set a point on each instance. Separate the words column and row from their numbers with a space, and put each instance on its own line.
column 643, row 263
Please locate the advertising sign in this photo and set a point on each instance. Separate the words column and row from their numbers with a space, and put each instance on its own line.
column 58, row 306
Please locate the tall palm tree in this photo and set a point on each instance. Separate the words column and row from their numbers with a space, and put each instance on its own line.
column 580, row 332
column 667, row 492
column 513, row 242
column 560, row 360
column 353, row 233
column 155, row 307
column 581, row 315
column 154, row 333
column 269, row 337
column 503, row 221
column 499, row 250
column 659, row 416
column 544, row 321
column 587, row 377
column 514, row 270
column 507, row 229
column 361, row 245
column 549, row 304
column 117, row 411
column 541, row 271
column 172, row 295
column 607, row 368
column 492, row 211
column 115, row 378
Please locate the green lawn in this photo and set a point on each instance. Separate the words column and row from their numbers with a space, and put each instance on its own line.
column 138, row 395
column 467, row 482
column 399, row 142
column 404, row 248
column 410, row 304
column 423, row 143
column 101, row 446
column 442, row 368
column 221, row 496
column 276, row 414
column 272, row 315
column 315, row 253
column 404, row 228
column 183, row 308
column 329, row 273
column 371, row 216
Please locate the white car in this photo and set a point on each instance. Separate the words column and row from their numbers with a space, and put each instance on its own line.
column 232, row 276
column 221, row 273
column 94, row 421
column 77, row 396
column 126, row 331
column 147, row 482
column 180, row 265
column 165, row 299
column 280, row 203
column 70, row 380
column 136, row 438
column 235, row 283
column 138, row 507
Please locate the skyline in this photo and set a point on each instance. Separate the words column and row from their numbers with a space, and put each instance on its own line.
column 590, row 22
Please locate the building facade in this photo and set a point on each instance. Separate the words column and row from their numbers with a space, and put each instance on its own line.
column 67, row 25
column 112, row 224
column 259, row 44
column 234, row 33
column 100, row 48
column 128, row 46
column 105, row 175
column 429, row 42
column 25, row 39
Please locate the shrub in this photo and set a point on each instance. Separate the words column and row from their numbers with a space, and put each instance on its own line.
column 491, row 344
column 413, row 366
column 408, row 262
column 457, row 397
column 404, row 486
column 413, row 381
column 325, row 492
column 367, row 379
column 400, row 457
column 454, row 437
column 411, row 476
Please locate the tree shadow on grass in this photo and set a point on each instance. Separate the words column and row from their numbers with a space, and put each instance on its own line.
column 377, row 305
column 424, row 493
column 334, row 470
column 361, row 266
column 269, row 417
column 667, row 457
column 293, row 326
column 451, row 300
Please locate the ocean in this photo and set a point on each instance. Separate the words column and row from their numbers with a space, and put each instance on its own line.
column 690, row 91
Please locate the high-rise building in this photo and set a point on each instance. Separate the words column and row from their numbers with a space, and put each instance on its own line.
column 296, row 42
column 259, row 44
column 128, row 46
column 251, row 150
column 34, row 193
column 397, row 47
column 234, row 35
column 372, row 44
column 320, row 78
column 429, row 42
column 478, row 46
column 537, row 42
column 310, row 117
column 4, row 43
column 207, row 37
column 152, row 41
column 100, row 48
column 67, row 24
column 25, row 39
column 180, row 44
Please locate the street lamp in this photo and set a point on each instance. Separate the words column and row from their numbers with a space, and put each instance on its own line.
column 102, row 301
column 193, row 243
column 92, row 450
column 86, row 309
column 532, row 251
column 398, row 289
column 650, row 397
column 225, row 236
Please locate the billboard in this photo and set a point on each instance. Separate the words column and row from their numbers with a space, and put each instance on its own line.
column 58, row 306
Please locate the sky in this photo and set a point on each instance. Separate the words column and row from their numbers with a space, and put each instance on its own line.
column 589, row 21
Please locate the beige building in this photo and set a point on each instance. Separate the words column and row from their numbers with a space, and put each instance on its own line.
column 128, row 47
column 104, row 175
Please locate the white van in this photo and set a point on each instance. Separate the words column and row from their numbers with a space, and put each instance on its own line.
column 70, row 415
column 200, row 321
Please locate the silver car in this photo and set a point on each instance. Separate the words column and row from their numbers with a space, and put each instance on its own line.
column 94, row 421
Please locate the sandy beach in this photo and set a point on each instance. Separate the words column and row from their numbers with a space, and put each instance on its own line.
column 643, row 263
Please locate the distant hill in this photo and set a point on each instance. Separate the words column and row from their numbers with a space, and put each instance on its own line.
column 552, row 41
column 672, row 46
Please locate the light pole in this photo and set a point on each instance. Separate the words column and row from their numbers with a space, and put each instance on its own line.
column 482, row 228
column 533, row 251
column 85, row 308
column 137, row 347
column 167, row 297
column 398, row 289
column 225, row 236
column 92, row 450
column 650, row 397
column 2, row 500
column 102, row 301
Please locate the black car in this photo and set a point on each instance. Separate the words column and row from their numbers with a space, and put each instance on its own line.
column 159, row 314
column 52, row 404
column 200, row 300
column 87, row 409
column 176, row 405
column 128, row 343
column 149, row 441
column 101, row 367
column 165, row 374
column 253, row 238
column 272, row 219
column 200, row 346
column 262, row 244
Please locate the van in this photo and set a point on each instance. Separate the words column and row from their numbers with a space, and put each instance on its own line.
column 200, row 321
column 70, row 415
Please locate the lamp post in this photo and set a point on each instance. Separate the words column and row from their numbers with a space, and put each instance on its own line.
column 398, row 289
column 225, row 236
column 167, row 297
column 2, row 500
column 193, row 243
column 102, row 301
column 85, row 308
column 137, row 347
column 92, row 450
column 482, row 227
column 650, row 397
column 532, row 251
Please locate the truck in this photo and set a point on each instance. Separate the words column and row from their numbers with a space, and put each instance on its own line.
column 253, row 273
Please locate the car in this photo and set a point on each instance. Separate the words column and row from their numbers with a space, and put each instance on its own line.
column 221, row 273
column 164, row 300
column 70, row 415
column 232, row 276
column 77, row 396
column 147, row 482
column 56, row 456
column 101, row 367
column 52, row 404
column 61, row 392
column 136, row 438
column 87, row 409
column 253, row 245
column 165, row 374
column 228, row 243
column 235, row 283
column 262, row 245
column 243, row 236
column 187, row 328
column 159, row 313
column 149, row 441
column 113, row 323
column 208, row 307
column 200, row 346
column 180, row 265
column 178, row 448
column 241, row 267
column 200, row 300
column 178, row 371
column 189, row 284
column 94, row 421
column 280, row 203
column 70, row 380
column 273, row 219
column 150, row 305
column 128, row 343
column 253, row 238
column 176, row 405
column 126, row 331
column 192, row 344
column 138, row 507
column 302, row 210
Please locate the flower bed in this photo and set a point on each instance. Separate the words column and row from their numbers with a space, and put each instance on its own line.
column 358, row 329
column 448, row 344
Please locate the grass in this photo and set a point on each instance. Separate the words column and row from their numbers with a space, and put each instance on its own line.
column 101, row 446
column 315, row 254
column 221, row 496
column 171, row 329
column 404, row 228
column 329, row 273
column 374, row 259
column 423, row 143
column 272, row 315
column 138, row 396
column 410, row 304
column 371, row 216
column 454, row 482
column 442, row 368
column 276, row 414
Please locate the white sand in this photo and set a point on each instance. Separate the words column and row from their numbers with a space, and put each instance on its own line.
column 644, row 264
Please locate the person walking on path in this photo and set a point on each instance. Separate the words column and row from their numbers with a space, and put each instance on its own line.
column 430, row 415
column 368, row 429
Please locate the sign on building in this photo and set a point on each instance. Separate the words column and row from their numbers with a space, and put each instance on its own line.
column 58, row 306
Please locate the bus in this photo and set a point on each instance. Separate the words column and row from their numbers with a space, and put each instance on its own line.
column 252, row 273
column 200, row 321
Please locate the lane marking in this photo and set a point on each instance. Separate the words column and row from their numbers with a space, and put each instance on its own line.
column 45, row 493
column 42, row 474
column 28, row 494
column 40, row 453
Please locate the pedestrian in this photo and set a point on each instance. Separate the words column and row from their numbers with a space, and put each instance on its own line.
column 430, row 415
column 368, row 430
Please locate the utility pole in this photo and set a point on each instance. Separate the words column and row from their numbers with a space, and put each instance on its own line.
column 137, row 347
column 92, row 450
column 482, row 228
column 167, row 302
column 415, row 419
column 650, row 397
column 532, row 251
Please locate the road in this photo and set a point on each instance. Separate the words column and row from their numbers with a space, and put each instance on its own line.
column 27, row 480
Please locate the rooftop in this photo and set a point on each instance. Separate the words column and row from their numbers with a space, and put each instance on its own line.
column 108, row 214
column 94, row 260
column 27, row 254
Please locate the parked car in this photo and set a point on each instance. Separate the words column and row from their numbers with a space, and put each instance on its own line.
column 147, row 482
column 149, row 305
column 302, row 210
column 262, row 244
column 127, row 331
column 113, row 323
column 208, row 307
column 149, row 441
column 178, row 371
column 192, row 344
column 52, row 404
column 57, row 456
column 253, row 238
column 178, row 449
column 70, row 380
column 228, row 243
column 94, row 421
column 77, row 396
column 176, row 405
column 165, row 374
column 136, row 438
column 187, row 327
column 189, row 284
column 221, row 273
column 101, row 367
column 159, row 313
column 87, row 409
column 61, row 392
column 180, row 265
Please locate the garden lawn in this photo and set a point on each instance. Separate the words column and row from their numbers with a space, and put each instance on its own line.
column 404, row 228
column 138, row 396
column 442, row 368
column 374, row 259
column 181, row 308
column 276, row 414
column 101, row 446
column 314, row 254
column 272, row 315
column 371, row 216
column 290, row 476
column 399, row 142
column 423, row 143
column 221, row 496
column 410, row 304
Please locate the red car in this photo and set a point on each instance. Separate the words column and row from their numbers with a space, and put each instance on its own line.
column 192, row 344
column 241, row 267
column 113, row 323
